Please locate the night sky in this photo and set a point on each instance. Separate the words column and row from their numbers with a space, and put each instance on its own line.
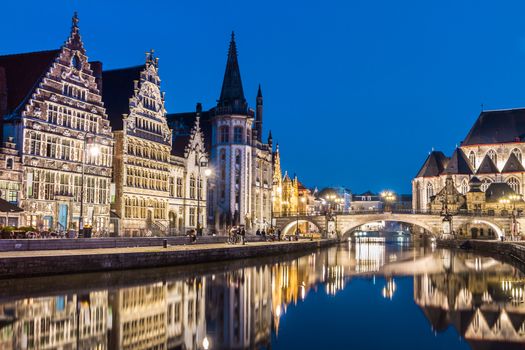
column 356, row 92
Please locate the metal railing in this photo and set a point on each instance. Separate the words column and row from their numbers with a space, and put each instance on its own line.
column 489, row 213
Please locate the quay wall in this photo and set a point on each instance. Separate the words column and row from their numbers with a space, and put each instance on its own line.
column 35, row 264
column 11, row 245
column 510, row 252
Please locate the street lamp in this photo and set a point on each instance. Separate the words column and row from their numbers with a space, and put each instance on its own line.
column 389, row 197
column 513, row 198
column 207, row 173
column 94, row 151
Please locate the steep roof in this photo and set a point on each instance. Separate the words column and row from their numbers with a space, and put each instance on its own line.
column 512, row 165
column 23, row 72
column 434, row 165
column 497, row 127
column 487, row 166
column 117, row 89
column 497, row 190
column 232, row 93
column 181, row 125
column 458, row 164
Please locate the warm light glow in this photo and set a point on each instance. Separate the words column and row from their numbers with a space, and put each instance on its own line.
column 205, row 343
column 94, row 150
column 278, row 310
column 207, row 172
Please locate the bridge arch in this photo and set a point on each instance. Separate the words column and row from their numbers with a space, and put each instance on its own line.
column 288, row 227
column 348, row 229
column 497, row 229
column 431, row 226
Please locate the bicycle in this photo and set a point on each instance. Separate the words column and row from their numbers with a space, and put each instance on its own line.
column 234, row 239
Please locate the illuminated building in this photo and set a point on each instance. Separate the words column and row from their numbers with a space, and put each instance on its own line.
column 51, row 106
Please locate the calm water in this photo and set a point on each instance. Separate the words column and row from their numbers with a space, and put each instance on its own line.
column 354, row 296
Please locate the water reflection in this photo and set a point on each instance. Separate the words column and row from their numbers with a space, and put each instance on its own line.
column 230, row 306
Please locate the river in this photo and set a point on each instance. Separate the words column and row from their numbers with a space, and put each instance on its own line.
column 357, row 295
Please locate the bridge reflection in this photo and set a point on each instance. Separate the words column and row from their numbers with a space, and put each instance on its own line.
column 235, row 307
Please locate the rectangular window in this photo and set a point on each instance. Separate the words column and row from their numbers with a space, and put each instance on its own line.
column 237, row 134
column 192, row 187
column 179, row 187
column 192, row 216
column 224, row 134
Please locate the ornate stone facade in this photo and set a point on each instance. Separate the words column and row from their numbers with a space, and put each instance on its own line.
column 53, row 106
column 156, row 183
column 491, row 152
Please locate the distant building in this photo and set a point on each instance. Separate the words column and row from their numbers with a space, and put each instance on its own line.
column 492, row 152
column 366, row 201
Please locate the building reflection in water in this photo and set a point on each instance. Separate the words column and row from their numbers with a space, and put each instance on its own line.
column 242, row 307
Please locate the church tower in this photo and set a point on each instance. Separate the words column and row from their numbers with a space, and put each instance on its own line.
column 231, row 147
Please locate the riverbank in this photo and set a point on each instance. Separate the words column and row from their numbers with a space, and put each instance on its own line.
column 510, row 252
column 52, row 262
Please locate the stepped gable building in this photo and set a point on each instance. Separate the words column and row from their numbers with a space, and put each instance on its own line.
column 240, row 192
column 52, row 110
column 491, row 153
column 151, row 177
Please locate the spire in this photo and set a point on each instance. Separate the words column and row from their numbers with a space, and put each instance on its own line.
column 232, row 94
column 259, row 92
column 74, row 21
column 259, row 114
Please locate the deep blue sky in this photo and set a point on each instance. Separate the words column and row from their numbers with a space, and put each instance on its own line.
column 356, row 92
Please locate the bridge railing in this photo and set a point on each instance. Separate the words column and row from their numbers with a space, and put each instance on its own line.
column 490, row 213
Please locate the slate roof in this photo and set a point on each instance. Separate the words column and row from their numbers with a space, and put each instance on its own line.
column 434, row 165
column 513, row 165
column 497, row 127
column 232, row 93
column 181, row 125
column 497, row 190
column 458, row 164
column 487, row 166
column 23, row 72
column 117, row 89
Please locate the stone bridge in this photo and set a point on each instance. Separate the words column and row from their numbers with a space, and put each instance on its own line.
column 429, row 224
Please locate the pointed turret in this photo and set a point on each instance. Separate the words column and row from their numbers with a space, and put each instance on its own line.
column 259, row 113
column 232, row 94
column 270, row 140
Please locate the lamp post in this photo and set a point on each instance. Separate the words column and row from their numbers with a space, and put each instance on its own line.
column 94, row 151
column 389, row 197
column 513, row 198
column 207, row 173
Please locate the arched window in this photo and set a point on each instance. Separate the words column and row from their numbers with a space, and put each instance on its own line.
column 9, row 163
column 75, row 62
column 430, row 192
column 464, row 186
column 485, row 183
column 492, row 155
column 517, row 153
column 514, row 184
column 224, row 134
column 472, row 159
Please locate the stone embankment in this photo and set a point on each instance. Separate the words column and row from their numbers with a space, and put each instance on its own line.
column 24, row 263
column 511, row 252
